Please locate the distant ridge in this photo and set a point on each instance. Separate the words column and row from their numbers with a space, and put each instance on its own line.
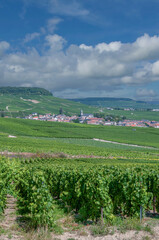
column 25, row 91
column 102, row 99
column 114, row 102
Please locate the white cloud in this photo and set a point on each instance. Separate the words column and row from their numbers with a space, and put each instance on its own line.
column 50, row 27
column 144, row 48
column 31, row 36
column 55, row 42
column 85, row 47
column 155, row 68
column 105, row 67
column 52, row 24
column 111, row 47
column 3, row 47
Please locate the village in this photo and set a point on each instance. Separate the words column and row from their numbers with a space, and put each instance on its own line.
column 91, row 120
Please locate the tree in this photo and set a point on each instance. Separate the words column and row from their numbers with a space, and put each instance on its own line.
column 61, row 111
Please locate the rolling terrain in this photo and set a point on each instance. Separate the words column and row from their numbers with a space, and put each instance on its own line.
column 136, row 110
column 23, row 101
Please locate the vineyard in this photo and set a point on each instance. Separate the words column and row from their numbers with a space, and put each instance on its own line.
column 51, row 167
column 90, row 188
column 36, row 129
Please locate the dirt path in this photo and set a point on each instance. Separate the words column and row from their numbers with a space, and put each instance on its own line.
column 46, row 155
column 125, row 144
column 8, row 226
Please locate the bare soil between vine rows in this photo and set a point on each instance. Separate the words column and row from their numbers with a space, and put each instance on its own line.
column 10, row 228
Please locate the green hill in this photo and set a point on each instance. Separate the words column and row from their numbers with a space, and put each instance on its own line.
column 24, row 91
column 116, row 103
column 22, row 101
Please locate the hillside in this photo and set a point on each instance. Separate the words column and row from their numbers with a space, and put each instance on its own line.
column 22, row 101
column 24, row 91
column 116, row 103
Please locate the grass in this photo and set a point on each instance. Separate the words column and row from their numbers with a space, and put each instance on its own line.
column 2, row 231
column 146, row 238
column 39, row 234
column 61, row 147
column 120, row 225
column 65, row 139
column 32, row 128
column 99, row 230
column 132, row 224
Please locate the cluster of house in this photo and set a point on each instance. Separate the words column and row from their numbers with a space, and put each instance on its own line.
column 90, row 119
column 155, row 110
column 139, row 123
column 51, row 118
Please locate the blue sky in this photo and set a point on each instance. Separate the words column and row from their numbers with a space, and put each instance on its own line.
column 107, row 48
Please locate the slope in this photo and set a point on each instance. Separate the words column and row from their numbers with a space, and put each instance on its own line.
column 22, row 101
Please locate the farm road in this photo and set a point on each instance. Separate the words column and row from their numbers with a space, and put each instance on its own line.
column 125, row 144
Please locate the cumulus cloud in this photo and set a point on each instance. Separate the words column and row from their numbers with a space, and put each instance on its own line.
column 55, row 42
column 104, row 67
column 155, row 68
column 111, row 47
column 85, row 47
column 144, row 48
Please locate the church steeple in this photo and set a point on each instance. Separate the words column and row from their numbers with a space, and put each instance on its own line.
column 81, row 112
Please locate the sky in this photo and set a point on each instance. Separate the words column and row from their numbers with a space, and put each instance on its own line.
column 81, row 48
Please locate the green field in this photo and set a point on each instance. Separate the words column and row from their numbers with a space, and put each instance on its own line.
column 20, row 127
column 77, row 139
